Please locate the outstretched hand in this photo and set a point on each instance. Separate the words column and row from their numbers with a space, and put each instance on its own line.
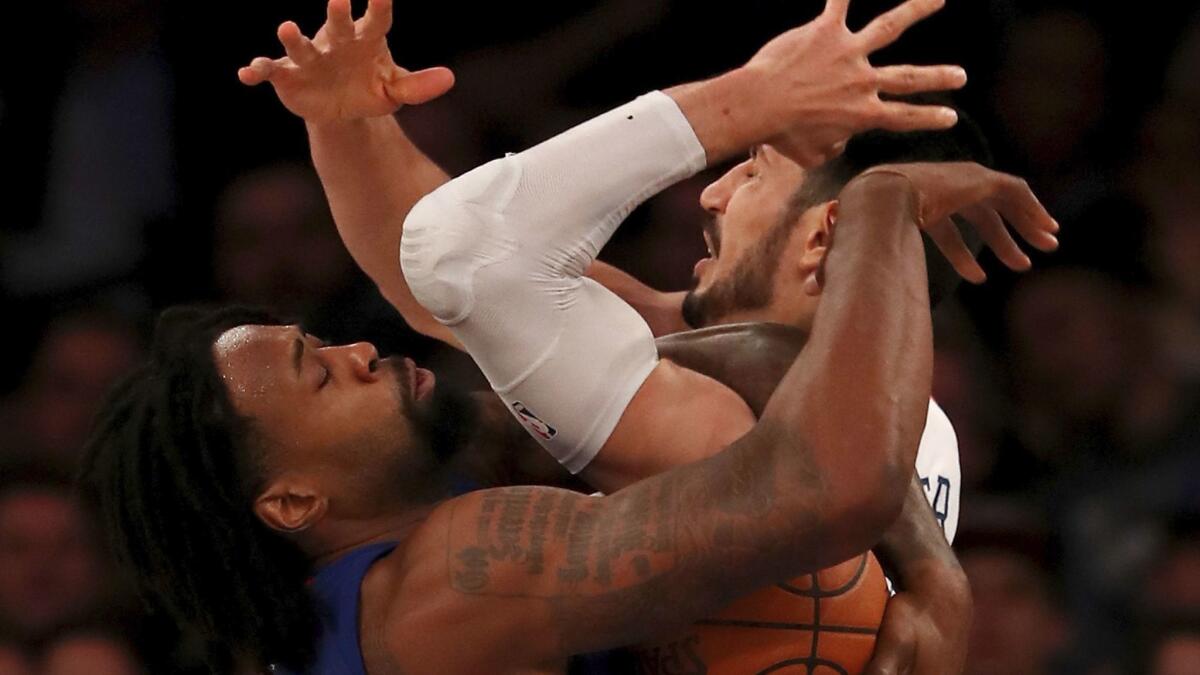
column 985, row 198
column 346, row 71
column 819, row 88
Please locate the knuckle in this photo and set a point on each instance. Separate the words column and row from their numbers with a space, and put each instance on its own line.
column 874, row 114
column 888, row 25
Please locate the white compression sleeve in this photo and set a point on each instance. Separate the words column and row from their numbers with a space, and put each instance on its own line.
column 499, row 254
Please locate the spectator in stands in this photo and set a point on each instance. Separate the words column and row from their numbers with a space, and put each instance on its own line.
column 13, row 659
column 51, row 571
column 1174, row 650
column 90, row 650
column 1018, row 626
column 82, row 354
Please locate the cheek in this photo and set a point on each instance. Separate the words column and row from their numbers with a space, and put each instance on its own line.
column 367, row 413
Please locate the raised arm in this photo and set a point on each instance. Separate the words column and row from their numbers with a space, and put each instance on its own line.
column 346, row 87
column 345, row 84
column 373, row 175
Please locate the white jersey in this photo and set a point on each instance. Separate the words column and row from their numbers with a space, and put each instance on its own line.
column 938, row 469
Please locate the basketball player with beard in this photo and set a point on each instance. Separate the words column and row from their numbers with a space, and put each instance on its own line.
column 289, row 73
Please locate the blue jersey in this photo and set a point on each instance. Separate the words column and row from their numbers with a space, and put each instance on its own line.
column 335, row 588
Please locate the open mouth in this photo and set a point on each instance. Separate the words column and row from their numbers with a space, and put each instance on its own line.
column 421, row 381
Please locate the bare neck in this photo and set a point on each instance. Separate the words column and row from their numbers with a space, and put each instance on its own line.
column 341, row 538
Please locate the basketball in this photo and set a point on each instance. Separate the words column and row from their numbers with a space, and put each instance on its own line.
column 818, row 624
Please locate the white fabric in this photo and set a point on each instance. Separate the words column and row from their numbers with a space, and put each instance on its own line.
column 939, row 470
column 499, row 254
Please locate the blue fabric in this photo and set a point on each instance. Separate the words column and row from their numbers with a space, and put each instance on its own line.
column 603, row 663
column 335, row 588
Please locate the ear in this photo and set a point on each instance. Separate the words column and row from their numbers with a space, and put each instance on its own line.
column 288, row 506
column 816, row 247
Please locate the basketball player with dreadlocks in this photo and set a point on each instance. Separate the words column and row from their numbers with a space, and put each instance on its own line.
column 246, row 454
column 359, row 198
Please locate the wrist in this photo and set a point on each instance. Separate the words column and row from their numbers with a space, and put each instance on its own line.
column 881, row 179
column 892, row 190
column 942, row 583
column 722, row 113
column 335, row 125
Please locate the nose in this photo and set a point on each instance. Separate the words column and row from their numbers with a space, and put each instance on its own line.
column 716, row 196
column 362, row 360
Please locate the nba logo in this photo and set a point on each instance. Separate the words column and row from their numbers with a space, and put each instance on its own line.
column 533, row 422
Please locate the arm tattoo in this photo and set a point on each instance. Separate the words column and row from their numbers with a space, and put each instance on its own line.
column 540, row 542
column 511, row 530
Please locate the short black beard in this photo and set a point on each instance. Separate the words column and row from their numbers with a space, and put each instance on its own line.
column 441, row 427
column 750, row 286
column 445, row 422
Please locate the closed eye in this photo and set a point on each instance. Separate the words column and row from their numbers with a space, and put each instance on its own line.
column 326, row 376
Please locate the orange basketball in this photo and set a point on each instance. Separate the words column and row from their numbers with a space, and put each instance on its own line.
column 819, row 624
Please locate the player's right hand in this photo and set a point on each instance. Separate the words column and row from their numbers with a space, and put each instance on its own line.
column 985, row 198
column 346, row 71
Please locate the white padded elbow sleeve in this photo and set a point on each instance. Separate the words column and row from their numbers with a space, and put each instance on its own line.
column 499, row 254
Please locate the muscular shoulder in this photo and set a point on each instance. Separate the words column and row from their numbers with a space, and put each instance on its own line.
column 467, row 590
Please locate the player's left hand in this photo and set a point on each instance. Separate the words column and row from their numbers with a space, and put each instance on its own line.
column 989, row 200
column 346, row 71
column 922, row 634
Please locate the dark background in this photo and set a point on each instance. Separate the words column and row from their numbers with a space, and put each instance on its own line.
column 137, row 172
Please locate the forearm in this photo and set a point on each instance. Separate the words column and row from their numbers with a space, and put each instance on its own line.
column 373, row 175
column 751, row 359
column 915, row 553
column 823, row 474
column 857, row 395
column 719, row 113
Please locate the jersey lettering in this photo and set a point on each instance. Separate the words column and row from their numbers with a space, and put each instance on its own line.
column 939, row 498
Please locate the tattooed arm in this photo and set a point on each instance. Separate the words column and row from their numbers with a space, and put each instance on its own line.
column 928, row 621
column 816, row 482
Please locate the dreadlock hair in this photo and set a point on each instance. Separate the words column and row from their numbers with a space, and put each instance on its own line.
column 965, row 142
column 172, row 473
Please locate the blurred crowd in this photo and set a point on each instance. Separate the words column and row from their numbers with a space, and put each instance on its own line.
column 139, row 173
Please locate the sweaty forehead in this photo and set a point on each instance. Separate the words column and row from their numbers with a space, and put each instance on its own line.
column 253, row 359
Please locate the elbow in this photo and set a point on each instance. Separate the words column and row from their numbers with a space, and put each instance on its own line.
column 435, row 252
column 454, row 232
